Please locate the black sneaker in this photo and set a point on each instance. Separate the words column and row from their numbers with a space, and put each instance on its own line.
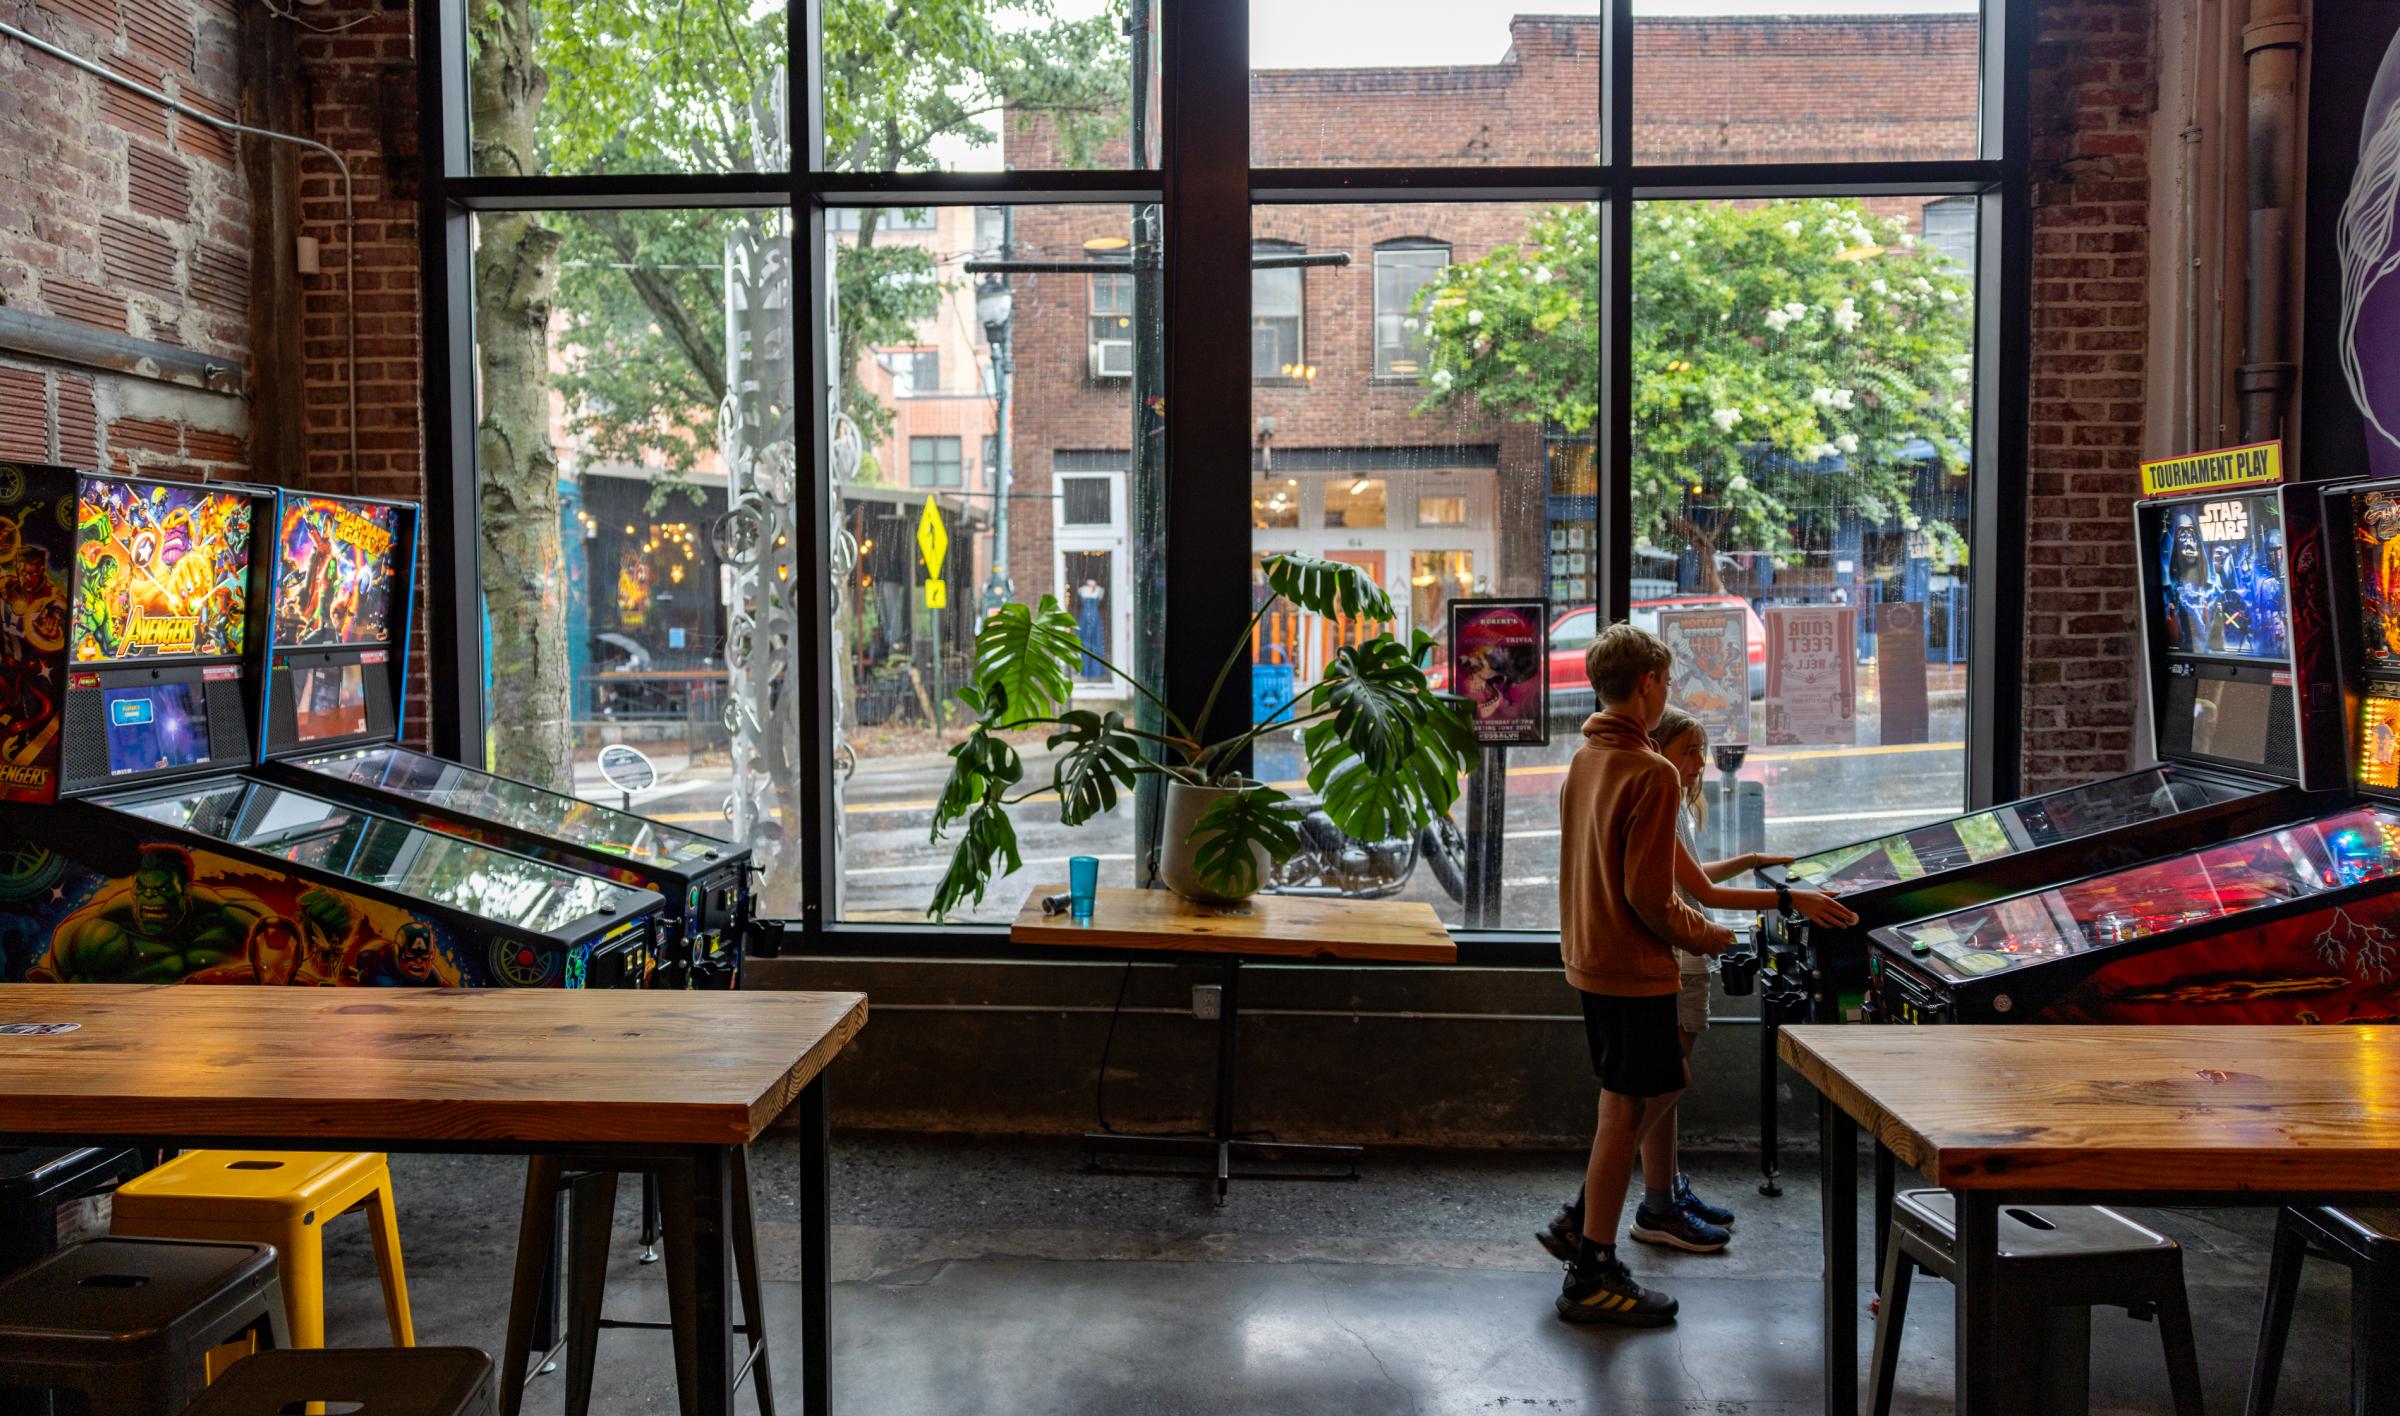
column 1560, row 1234
column 1679, row 1228
column 1717, row 1215
column 1601, row 1291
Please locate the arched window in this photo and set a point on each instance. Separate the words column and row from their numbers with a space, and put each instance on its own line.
column 1402, row 270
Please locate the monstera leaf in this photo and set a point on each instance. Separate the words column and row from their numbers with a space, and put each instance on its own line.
column 1226, row 832
column 1326, row 587
column 1389, row 757
column 1026, row 657
column 987, row 840
column 1099, row 758
column 982, row 768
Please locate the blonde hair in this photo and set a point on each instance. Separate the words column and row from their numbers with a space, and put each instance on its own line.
column 1673, row 724
column 1619, row 658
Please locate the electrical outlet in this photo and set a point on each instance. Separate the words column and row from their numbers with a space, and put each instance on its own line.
column 1208, row 1000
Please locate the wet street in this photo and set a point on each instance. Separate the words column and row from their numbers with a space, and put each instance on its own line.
column 1815, row 797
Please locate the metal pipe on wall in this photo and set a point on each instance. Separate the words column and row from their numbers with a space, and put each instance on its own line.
column 349, row 209
column 2271, row 45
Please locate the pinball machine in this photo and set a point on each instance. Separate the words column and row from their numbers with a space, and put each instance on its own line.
column 2246, row 723
column 138, row 846
column 335, row 687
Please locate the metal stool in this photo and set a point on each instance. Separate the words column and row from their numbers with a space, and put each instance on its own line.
column 2056, row 1265
column 281, row 1198
column 129, row 1323
column 36, row 1181
column 381, row 1381
column 590, row 1187
column 2368, row 1242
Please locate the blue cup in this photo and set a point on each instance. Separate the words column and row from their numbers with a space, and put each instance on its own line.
column 1083, row 883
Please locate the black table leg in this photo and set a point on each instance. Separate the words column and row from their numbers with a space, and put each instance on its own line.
column 816, row 1258
column 2374, row 1354
column 711, row 1391
column 1976, row 1332
column 1837, row 1203
column 1770, row 1144
column 1887, row 1182
column 1229, row 1008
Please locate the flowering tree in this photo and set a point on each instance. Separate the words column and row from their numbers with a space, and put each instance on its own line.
column 1781, row 345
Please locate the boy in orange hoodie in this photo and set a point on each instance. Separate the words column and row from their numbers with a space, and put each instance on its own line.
column 1619, row 923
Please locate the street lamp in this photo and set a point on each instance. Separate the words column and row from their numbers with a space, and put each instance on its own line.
column 995, row 307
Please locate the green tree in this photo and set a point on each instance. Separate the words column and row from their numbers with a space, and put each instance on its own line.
column 1785, row 348
column 637, row 296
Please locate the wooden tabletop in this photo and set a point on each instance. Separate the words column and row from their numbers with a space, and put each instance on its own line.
column 406, row 1065
column 1271, row 926
column 2125, row 1109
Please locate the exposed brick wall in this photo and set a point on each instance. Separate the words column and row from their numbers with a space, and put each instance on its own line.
column 2093, row 94
column 360, row 99
column 121, row 215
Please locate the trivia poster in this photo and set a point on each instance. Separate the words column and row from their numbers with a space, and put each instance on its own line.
column 1812, row 676
column 1711, row 678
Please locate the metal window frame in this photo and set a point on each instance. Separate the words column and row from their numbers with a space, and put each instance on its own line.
column 1208, row 190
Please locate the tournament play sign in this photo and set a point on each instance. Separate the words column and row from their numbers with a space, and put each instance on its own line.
column 2251, row 465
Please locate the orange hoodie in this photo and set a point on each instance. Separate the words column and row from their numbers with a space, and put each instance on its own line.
column 1618, row 913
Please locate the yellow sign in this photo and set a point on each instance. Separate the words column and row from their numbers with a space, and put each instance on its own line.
column 937, row 593
column 932, row 537
column 2249, row 465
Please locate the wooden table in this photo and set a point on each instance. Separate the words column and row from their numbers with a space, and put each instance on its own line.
column 1262, row 927
column 2200, row 1116
column 692, row 1076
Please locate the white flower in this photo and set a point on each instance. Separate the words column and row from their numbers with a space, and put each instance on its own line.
column 1542, row 276
column 1880, row 286
column 1846, row 316
column 1474, row 317
column 1949, row 296
column 1791, row 228
column 1822, row 451
column 1442, row 378
column 1794, row 308
column 1844, row 399
column 1861, row 236
column 1962, row 373
column 1822, row 397
column 1736, row 484
column 1676, row 256
column 1725, row 418
column 1908, row 240
column 1777, row 319
column 1959, row 407
column 1921, row 285
column 1847, row 442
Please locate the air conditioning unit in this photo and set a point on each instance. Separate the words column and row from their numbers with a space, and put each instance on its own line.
column 1112, row 358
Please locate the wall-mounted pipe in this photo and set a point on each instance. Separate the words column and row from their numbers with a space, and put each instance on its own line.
column 2271, row 51
column 349, row 208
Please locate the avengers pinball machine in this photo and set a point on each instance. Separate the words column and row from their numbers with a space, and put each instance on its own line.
column 2295, row 924
column 2245, row 722
column 343, row 590
column 141, row 850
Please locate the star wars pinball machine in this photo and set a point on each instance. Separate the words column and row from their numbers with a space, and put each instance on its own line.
column 2298, row 923
column 2246, row 726
column 335, row 689
column 139, row 846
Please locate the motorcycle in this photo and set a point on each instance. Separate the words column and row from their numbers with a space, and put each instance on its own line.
column 1332, row 862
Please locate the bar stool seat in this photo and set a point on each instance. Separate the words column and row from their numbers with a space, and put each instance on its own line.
column 380, row 1381
column 129, row 1323
column 36, row 1180
column 2057, row 1263
column 589, row 1185
column 2367, row 1242
column 281, row 1198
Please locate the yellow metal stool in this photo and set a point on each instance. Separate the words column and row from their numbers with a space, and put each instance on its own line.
column 281, row 1198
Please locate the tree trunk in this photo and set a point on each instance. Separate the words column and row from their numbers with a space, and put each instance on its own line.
column 516, row 280
column 1704, row 545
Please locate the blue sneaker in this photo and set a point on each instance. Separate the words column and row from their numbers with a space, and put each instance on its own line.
column 1679, row 1228
column 1717, row 1215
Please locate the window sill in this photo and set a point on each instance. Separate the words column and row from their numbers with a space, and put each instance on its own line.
column 1396, row 381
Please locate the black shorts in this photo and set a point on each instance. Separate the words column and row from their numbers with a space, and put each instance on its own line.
column 1637, row 1047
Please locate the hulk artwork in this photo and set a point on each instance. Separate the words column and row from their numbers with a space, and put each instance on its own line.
column 160, row 927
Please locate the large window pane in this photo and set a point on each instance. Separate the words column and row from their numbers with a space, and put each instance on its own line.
column 1424, row 83
column 989, row 85
column 1803, row 379
column 1386, row 460
column 1043, row 372
column 633, row 378
column 1806, row 81
column 569, row 89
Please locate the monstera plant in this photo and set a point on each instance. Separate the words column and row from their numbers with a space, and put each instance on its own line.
column 1385, row 749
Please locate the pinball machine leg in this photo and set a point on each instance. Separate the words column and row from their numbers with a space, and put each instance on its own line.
column 1770, row 1165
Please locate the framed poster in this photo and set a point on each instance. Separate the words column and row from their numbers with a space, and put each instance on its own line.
column 1500, row 663
column 1812, row 675
column 1711, row 677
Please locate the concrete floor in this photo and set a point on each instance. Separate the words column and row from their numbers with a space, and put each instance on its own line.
column 981, row 1277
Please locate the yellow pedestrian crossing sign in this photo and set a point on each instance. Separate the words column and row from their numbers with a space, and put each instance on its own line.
column 932, row 538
